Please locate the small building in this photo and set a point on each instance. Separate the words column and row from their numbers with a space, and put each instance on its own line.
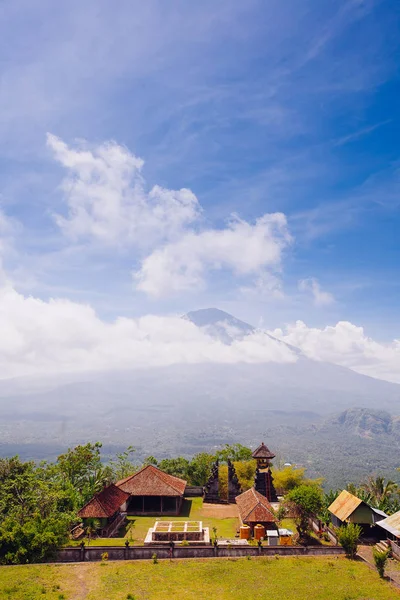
column 391, row 526
column 347, row 508
column 255, row 509
column 153, row 492
column 107, row 508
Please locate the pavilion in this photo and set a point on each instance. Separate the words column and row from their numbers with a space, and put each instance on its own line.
column 106, row 508
column 254, row 509
column 152, row 492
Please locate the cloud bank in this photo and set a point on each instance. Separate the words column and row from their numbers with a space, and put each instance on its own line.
column 347, row 345
column 59, row 336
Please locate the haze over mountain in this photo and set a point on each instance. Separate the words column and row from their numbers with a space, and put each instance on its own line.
column 186, row 408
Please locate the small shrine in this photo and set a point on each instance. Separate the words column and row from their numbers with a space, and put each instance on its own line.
column 263, row 481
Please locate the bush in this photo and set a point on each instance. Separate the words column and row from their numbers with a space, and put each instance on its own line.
column 155, row 558
column 104, row 557
column 380, row 560
column 348, row 536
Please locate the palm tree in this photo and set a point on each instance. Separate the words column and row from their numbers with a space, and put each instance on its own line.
column 92, row 525
column 379, row 491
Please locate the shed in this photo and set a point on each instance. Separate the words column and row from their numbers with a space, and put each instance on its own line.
column 153, row 492
column 347, row 508
column 254, row 508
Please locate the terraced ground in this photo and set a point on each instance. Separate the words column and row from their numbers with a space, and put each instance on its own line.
column 220, row 579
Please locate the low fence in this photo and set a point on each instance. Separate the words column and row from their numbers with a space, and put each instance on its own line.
column 395, row 549
column 319, row 528
column 194, row 491
column 94, row 553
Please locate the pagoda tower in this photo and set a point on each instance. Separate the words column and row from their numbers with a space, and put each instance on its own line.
column 264, row 482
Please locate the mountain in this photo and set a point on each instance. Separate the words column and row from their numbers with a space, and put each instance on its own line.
column 189, row 408
column 219, row 324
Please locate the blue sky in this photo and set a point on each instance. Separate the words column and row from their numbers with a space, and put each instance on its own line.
column 257, row 107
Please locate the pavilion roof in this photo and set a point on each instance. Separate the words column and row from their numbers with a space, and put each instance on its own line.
column 262, row 452
column 151, row 481
column 104, row 504
column 255, row 508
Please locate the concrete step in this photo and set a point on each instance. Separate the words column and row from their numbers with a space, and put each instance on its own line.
column 382, row 546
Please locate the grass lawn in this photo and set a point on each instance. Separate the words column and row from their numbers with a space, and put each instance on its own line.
column 220, row 579
column 192, row 510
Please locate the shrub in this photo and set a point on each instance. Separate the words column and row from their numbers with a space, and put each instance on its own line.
column 130, row 597
column 155, row 558
column 380, row 560
column 104, row 557
column 185, row 543
column 348, row 536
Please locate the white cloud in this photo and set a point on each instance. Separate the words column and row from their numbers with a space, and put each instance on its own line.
column 107, row 199
column 320, row 297
column 347, row 345
column 63, row 336
column 108, row 202
column 241, row 247
column 60, row 336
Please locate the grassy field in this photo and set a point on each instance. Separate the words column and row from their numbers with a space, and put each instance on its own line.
column 192, row 509
column 219, row 579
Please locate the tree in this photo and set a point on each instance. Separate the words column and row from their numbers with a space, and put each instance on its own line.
column 234, row 452
column 179, row 467
column 150, row 460
column 289, row 477
column 199, row 468
column 380, row 560
column 122, row 466
column 379, row 491
column 303, row 502
column 348, row 536
column 82, row 472
column 91, row 527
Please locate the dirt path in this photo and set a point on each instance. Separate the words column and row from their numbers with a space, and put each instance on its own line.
column 392, row 570
column 82, row 573
column 219, row 511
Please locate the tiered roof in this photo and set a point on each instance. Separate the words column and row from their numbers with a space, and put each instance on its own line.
column 255, row 508
column 104, row 504
column 150, row 481
column 263, row 452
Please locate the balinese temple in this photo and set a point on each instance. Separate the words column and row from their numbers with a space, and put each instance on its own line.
column 264, row 482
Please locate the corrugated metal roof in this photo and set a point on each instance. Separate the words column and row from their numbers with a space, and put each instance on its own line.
column 378, row 512
column 391, row 524
column 344, row 505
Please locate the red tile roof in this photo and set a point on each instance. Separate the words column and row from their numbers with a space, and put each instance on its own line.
column 255, row 508
column 104, row 504
column 263, row 452
column 150, row 481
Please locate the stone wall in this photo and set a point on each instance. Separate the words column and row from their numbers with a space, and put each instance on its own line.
column 93, row 553
column 194, row 491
